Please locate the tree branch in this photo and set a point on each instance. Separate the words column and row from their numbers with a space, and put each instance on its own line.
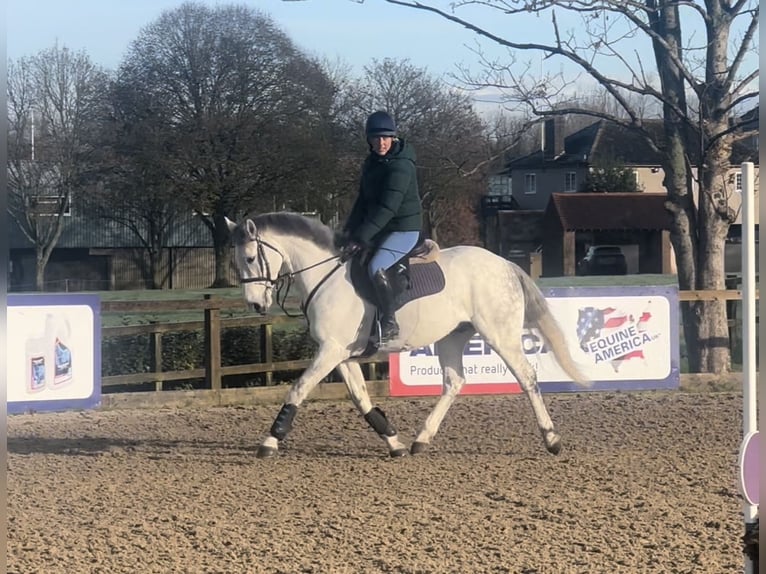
column 609, row 84
column 743, row 49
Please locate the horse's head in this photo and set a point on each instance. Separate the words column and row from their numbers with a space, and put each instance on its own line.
column 258, row 264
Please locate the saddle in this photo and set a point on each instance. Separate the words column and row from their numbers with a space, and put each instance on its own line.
column 425, row 251
column 416, row 275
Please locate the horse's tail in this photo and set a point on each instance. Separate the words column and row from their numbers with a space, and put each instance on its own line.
column 538, row 313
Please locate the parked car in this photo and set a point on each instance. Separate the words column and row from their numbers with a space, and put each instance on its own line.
column 603, row 260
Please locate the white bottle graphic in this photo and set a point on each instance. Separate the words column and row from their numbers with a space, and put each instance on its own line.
column 59, row 334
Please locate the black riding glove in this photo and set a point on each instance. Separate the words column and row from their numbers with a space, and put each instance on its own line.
column 350, row 249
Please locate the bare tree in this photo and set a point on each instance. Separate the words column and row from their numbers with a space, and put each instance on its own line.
column 511, row 135
column 55, row 103
column 239, row 97
column 449, row 137
column 135, row 189
column 701, row 87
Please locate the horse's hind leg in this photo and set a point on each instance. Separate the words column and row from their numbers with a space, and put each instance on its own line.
column 450, row 352
column 513, row 355
column 375, row 417
column 325, row 361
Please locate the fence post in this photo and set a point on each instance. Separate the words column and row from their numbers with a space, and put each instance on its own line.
column 731, row 283
column 212, row 347
column 267, row 350
column 156, row 343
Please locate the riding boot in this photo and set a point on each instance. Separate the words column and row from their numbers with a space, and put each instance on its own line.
column 384, row 292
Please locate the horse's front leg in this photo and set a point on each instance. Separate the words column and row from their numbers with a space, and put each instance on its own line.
column 375, row 417
column 325, row 361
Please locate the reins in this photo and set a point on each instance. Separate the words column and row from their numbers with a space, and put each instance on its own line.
column 310, row 296
column 285, row 281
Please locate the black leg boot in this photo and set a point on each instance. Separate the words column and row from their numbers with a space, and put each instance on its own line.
column 385, row 295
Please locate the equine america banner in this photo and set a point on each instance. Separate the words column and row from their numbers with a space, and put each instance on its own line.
column 624, row 338
column 54, row 352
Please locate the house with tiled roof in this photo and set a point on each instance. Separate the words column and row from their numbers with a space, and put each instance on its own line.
column 549, row 218
column 563, row 163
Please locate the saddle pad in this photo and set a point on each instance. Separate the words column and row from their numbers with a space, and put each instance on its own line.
column 425, row 279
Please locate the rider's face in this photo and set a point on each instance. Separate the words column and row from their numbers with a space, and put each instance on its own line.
column 381, row 144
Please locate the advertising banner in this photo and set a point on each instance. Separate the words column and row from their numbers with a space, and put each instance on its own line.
column 54, row 352
column 623, row 338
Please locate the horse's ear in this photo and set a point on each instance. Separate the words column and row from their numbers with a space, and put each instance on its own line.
column 230, row 224
column 250, row 226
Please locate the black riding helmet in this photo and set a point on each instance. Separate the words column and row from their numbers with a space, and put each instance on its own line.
column 380, row 124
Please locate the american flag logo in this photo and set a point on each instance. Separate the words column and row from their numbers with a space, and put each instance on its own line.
column 612, row 334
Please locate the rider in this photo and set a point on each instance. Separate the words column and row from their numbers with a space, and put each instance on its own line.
column 387, row 215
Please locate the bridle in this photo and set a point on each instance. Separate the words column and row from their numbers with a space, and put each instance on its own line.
column 284, row 281
column 263, row 263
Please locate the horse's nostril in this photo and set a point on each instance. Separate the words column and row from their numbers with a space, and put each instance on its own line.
column 255, row 307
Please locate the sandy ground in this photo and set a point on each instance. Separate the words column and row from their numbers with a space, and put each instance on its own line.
column 647, row 482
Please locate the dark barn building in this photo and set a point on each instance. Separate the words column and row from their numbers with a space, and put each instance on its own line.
column 574, row 221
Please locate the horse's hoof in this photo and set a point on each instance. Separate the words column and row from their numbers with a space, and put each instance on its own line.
column 398, row 453
column 265, row 452
column 418, row 447
column 553, row 445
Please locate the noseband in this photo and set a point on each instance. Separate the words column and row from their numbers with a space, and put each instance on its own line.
column 263, row 263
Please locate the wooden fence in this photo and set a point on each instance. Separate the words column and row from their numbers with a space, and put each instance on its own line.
column 212, row 324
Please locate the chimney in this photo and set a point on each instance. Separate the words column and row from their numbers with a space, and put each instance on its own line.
column 553, row 137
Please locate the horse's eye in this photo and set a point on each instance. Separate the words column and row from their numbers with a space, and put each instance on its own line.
column 250, row 260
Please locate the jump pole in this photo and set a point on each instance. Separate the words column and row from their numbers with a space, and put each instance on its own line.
column 749, row 389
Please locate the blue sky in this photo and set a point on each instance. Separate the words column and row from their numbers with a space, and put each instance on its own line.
column 355, row 33
column 342, row 30
column 352, row 32
column 345, row 30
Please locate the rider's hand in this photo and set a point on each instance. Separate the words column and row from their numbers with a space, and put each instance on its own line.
column 350, row 249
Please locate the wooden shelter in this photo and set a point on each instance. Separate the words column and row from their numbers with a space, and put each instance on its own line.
column 573, row 221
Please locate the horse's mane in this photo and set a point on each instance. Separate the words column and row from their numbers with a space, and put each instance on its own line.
column 295, row 224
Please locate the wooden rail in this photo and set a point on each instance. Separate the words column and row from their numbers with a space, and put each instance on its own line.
column 723, row 295
column 213, row 324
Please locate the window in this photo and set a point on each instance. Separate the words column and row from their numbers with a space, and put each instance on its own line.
column 499, row 185
column 738, row 181
column 530, row 183
column 49, row 205
column 570, row 182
